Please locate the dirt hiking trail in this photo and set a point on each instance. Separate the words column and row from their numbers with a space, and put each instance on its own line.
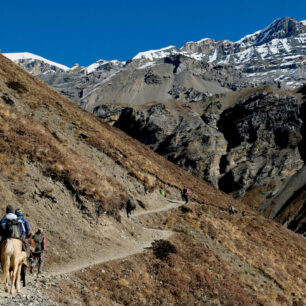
column 33, row 293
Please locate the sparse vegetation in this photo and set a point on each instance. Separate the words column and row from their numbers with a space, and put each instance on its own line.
column 17, row 86
column 162, row 248
column 51, row 170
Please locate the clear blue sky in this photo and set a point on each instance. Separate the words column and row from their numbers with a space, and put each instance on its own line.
column 83, row 31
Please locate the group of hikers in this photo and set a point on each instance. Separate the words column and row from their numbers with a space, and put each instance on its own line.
column 14, row 225
column 185, row 194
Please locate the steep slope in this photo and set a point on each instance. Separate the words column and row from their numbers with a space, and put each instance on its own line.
column 53, row 152
column 288, row 206
column 71, row 174
column 168, row 78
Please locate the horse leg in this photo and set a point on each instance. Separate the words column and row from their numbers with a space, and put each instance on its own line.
column 23, row 274
column 6, row 273
column 13, row 276
column 18, row 278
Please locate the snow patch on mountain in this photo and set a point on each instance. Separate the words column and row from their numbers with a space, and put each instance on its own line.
column 93, row 67
column 146, row 65
column 21, row 56
column 155, row 54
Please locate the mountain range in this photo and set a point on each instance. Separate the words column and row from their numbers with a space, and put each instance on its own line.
column 224, row 111
column 274, row 55
column 72, row 174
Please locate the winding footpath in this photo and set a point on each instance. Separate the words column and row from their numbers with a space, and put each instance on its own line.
column 33, row 293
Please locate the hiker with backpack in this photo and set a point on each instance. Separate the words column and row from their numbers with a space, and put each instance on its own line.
column 185, row 194
column 130, row 206
column 9, row 225
column 38, row 255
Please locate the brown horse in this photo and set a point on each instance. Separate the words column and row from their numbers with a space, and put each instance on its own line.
column 12, row 258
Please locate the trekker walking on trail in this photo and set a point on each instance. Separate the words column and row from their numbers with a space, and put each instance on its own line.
column 40, row 246
column 130, row 206
column 231, row 210
column 24, row 224
column 186, row 194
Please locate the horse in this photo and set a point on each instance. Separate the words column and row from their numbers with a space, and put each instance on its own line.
column 12, row 258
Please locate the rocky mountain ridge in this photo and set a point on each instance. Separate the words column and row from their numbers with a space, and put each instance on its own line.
column 35, row 64
column 274, row 55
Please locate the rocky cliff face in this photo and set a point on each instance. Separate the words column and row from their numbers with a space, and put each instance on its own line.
column 262, row 132
column 246, row 143
column 288, row 206
column 178, row 134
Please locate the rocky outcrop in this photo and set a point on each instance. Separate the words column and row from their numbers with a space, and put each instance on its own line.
column 263, row 133
column 245, row 143
column 178, row 134
column 175, row 77
column 288, row 206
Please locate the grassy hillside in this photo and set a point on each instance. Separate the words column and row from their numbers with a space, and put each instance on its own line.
column 71, row 174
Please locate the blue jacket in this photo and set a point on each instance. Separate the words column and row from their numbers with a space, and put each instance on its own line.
column 24, row 224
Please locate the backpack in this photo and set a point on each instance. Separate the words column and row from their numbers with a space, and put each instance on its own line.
column 13, row 229
column 40, row 241
column 131, row 204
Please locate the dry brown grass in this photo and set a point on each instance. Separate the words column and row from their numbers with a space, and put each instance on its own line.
column 206, row 267
column 22, row 140
column 42, row 128
column 148, row 167
column 178, row 280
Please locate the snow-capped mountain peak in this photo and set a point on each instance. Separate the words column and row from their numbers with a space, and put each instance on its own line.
column 28, row 58
column 156, row 54
column 274, row 55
